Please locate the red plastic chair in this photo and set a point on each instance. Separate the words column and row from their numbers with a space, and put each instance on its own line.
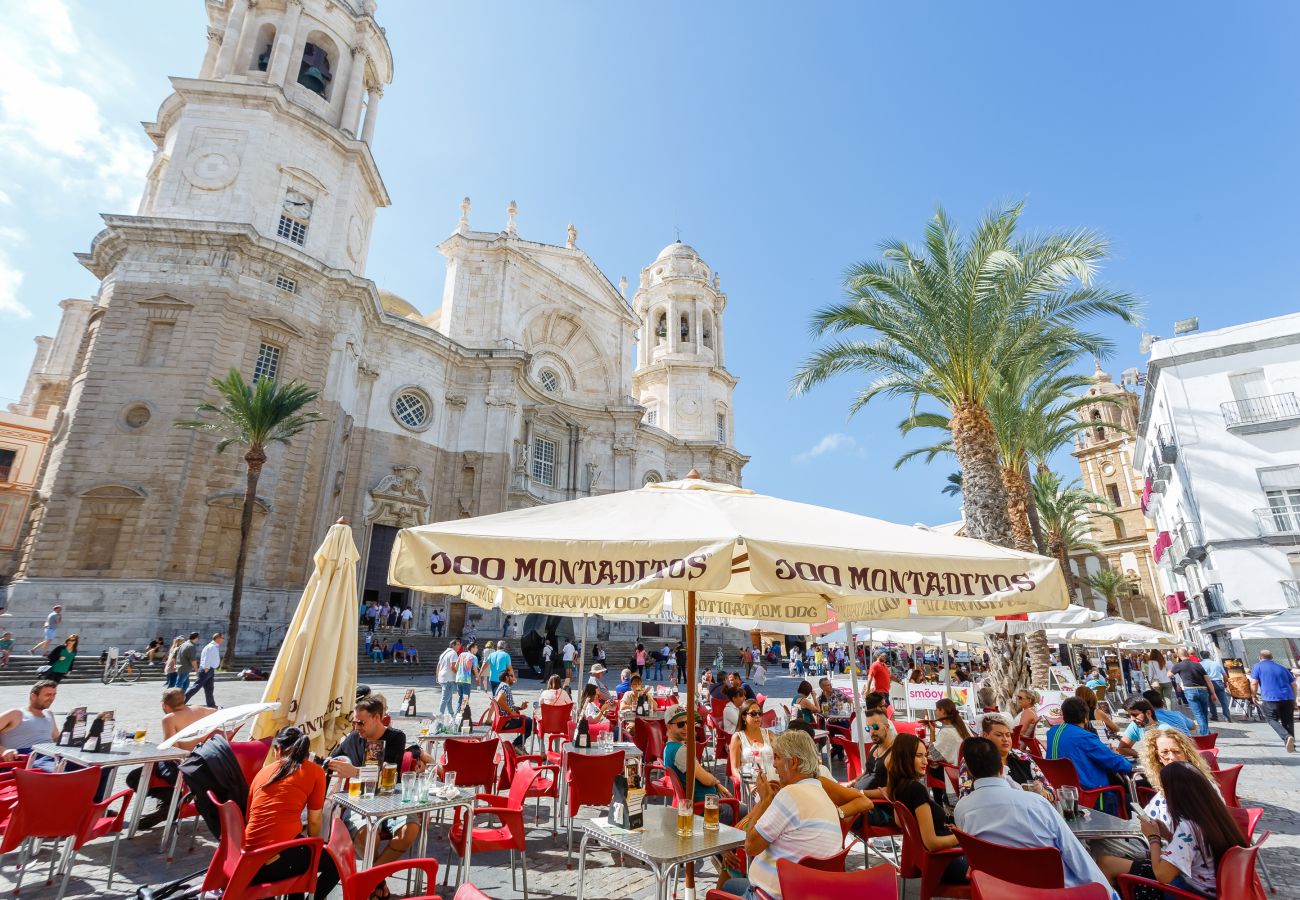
column 650, row 737
column 1235, row 877
column 1034, row 867
column 1227, row 778
column 801, row 880
column 233, row 867
column 508, row 835
column 552, row 719
column 916, row 728
column 252, row 756
column 59, row 807
column 1211, row 757
column 1247, row 820
column 769, row 718
column 589, row 781
column 466, row 891
column 473, row 761
column 852, row 762
column 547, row 785
column 986, row 887
column 360, row 885
column 927, row 865
column 833, row 863
column 1061, row 772
column 1205, row 741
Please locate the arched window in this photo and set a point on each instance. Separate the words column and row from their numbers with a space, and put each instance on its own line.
column 686, row 327
column 661, row 328
column 706, row 330
column 261, row 60
column 1098, row 429
column 316, row 72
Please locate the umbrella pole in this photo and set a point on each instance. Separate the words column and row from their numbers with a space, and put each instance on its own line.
column 582, row 655
column 691, row 663
column 857, row 701
column 947, row 675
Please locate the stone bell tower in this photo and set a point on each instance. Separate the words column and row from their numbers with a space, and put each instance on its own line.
column 680, row 375
column 277, row 129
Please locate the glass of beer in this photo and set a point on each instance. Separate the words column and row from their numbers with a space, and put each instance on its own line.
column 354, row 787
column 141, row 733
column 685, row 818
column 711, row 812
column 424, row 728
column 387, row 778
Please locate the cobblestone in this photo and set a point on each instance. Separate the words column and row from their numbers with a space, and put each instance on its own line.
column 1271, row 780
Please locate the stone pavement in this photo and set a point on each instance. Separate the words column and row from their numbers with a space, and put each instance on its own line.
column 1271, row 780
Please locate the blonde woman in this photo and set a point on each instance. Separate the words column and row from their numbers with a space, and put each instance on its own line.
column 169, row 667
column 1165, row 746
column 1161, row 678
column 1027, row 712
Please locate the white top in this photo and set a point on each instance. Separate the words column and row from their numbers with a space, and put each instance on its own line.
column 947, row 743
column 730, row 718
column 568, row 652
column 759, row 754
column 555, row 696
column 592, row 711
column 445, row 674
column 547, row 651
column 211, row 656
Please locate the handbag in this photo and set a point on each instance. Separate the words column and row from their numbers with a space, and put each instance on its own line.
column 43, row 671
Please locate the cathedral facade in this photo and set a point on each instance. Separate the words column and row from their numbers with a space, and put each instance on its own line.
column 538, row 380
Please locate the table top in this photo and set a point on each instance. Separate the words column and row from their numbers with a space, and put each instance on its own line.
column 382, row 805
column 1095, row 824
column 665, row 847
column 123, row 753
column 629, row 749
column 476, row 732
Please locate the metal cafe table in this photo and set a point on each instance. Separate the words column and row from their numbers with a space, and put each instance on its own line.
column 1094, row 825
column 662, row 851
column 384, row 806
column 122, row 753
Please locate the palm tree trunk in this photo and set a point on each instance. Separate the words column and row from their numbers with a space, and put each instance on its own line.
column 984, row 498
column 1035, row 523
column 1071, row 583
column 1024, row 525
column 255, row 458
column 1022, row 532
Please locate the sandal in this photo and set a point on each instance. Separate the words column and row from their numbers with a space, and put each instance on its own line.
column 381, row 893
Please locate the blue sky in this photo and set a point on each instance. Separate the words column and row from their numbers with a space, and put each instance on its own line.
column 785, row 141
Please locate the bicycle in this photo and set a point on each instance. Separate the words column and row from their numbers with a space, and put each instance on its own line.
column 127, row 668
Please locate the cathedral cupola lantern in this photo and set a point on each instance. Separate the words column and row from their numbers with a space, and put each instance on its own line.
column 314, row 73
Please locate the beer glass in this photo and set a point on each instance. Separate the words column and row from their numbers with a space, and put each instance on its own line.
column 711, row 812
column 354, row 787
column 685, row 818
column 388, row 778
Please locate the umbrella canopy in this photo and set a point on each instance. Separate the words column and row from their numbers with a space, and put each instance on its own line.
column 222, row 719
column 1283, row 625
column 744, row 555
column 314, row 682
column 1070, row 617
column 1112, row 631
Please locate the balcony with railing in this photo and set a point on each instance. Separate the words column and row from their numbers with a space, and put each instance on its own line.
column 1166, row 447
column 1291, row 593
column 1281, row 521
column 1253, row 415
column 1213, row 600
column 1188, row 546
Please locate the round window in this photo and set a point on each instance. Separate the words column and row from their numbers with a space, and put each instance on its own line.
column 411, row 409
column 550, row 381
column 136, row 416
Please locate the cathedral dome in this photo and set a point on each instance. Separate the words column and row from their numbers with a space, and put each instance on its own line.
column 398, row 306
column 677, row 248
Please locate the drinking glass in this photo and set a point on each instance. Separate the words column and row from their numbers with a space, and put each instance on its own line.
column 448, row 781
column 1069, row 797
column 354, row 787
column 410, row 793
column 685, row 818
column 388, row 778
column 711, row 812
column 424, row 728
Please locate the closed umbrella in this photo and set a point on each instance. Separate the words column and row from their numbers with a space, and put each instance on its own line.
column 315, row 676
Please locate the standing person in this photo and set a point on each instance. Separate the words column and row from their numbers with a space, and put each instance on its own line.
column 209, row 660
column 1126, row 666
column 670, row 660
column 407, row 615
column 446, row 674
column 681, row 664
column 747, row 660
column 548, row 660
column 1159, row 677
column 878, row 673
column 638, row 660
column 171, row 667
column 52, row 623
column 433, row 623
column 24, row 727
column 466, row 669
column 567, row 652
column 1213, row 667
column 661, row 658
column 6, row 648
column 1274, row 688
column 62, row 658
column 187, row 661
column 1197, row 688
column 484, row 667
column 498, row 662
column 393, row 613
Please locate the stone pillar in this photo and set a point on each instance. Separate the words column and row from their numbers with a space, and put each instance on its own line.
column 352, row 99
column 372, row 113
column 230, row 39
column 210, row 58
column 246, row 38
column 674, row 329
column 286, row 41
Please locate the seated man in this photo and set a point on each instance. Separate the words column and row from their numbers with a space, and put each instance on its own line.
column 735, row 681
column 624, row 683
column 997, row 812
column 826, row 696
column 1170, row 717
column 675, row 758
column 373, row 742
column 412, row 653
column 512, row 714
column 23, row 727
column 1142, row 722
column 597, row 680
column 399, row 651
column 176, row 716
column 793, row 819
column 1094, row 761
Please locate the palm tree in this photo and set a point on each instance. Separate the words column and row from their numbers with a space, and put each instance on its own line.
column 1066, row 511
column 1111, row 584
column 251, row 416
column 951, row 488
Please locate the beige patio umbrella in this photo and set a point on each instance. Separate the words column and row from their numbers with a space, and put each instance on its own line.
column 315, row 676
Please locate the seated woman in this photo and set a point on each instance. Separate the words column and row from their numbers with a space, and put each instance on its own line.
column 595, row 712
column 947, row 731
column 805, row 705
column 1017, row 767
column 751, row 742
column 736, row 700
column 628, row 702
column 1183, row 852
column 555, row 694
column 281, row 791
column 376, row 651
column 907, row 767
column 1027, row 714
column 1096, row 712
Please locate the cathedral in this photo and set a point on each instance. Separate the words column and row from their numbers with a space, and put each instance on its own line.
column 538, row 380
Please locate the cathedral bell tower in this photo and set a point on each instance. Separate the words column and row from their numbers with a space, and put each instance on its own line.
column 680, row 377
column 276, row 131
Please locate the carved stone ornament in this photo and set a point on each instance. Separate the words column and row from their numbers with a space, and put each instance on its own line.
column 399, row 499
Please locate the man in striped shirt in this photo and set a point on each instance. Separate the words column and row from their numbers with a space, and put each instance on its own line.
column 793, row 819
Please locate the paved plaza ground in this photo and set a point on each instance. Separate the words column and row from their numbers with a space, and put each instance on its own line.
column 1271, row 780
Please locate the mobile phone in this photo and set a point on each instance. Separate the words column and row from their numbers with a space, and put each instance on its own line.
column 1140, row 812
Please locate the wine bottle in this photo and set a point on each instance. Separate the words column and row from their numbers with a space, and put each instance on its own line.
column 466, row 721
column 582, row 739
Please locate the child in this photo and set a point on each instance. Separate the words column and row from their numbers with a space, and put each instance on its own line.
column 6, row 648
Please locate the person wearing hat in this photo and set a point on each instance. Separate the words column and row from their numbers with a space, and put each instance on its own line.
column 597, row 680
column 676, row 759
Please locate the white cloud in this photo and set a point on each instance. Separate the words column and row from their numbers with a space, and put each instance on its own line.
column 10, row 280
column 836, row 442
column 52, row 128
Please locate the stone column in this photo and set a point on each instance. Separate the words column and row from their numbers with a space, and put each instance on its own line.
column 372, row 113
column 352, row 99
column 230, row 39
column 286, row 41
column 674, row 328
column 210, row 58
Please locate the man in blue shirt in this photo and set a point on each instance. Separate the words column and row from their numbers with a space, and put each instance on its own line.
column 1093, row 760
column 498, row 661
column 1219, row 678
column 1274, row 688
column 1169, row 717
column 995, row 811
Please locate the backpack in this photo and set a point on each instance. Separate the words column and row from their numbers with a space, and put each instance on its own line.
column 212, row 766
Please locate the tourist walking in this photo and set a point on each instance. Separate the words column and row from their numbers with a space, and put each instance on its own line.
column 209, row 660
column 170, row 664
column 497, row 662
column 638, row 660
column 61, row 659
column 1218, row 677
column 1159, row 677
column 1274, row 687
column 6, row 648
column 566, row 656
column 435, row 620
column 465, row 668
column 548, row 660
column 747, row 660
column 372, row 617
column 52, row 623
column 187, row 661
column 407, row 615
column 1197, row 688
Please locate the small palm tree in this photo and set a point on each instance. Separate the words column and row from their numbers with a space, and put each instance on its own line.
column 251, row 416
column 952, row 488
column 1111, row 584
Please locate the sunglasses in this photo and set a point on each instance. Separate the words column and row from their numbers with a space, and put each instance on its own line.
column 873, row 727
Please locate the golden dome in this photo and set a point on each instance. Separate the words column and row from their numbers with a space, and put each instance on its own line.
column 397, row 305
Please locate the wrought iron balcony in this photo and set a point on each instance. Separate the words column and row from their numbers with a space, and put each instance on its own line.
column 1257, row 414
column 1213, row 600
column 1166, row 448
column 1282, row 521
column 1188, row 543
column 1291, row 593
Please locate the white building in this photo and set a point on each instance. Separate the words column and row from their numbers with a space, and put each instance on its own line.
column 1219, row 451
